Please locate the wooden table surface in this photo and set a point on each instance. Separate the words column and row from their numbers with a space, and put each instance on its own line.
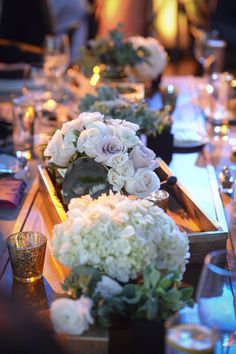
column 34, row 215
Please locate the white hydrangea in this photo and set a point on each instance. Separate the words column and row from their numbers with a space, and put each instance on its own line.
column 120, row 236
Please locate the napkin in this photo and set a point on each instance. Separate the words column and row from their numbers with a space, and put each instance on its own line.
column 11, row 192
column 12, row 71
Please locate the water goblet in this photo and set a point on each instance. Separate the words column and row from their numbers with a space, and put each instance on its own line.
column 56, row 59
column 216, row 295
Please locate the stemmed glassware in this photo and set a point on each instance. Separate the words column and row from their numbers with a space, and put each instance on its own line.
column 216, row 296
column 204, row 53
column 56, row 59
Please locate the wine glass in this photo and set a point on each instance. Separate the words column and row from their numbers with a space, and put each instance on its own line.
column 56, row 59
column 216, row 295
column 204, row 52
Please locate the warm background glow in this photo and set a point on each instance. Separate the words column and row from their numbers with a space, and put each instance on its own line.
column 146, row 17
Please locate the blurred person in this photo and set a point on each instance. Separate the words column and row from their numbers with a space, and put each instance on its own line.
column 223, row 20
column 21, row 332
column 71, row 17
column 24, row 21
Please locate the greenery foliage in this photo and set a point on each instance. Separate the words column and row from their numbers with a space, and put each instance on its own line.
column 155, row 297
column 113, row 51
column 108, row 102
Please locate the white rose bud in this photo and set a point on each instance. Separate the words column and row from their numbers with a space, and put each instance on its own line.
column 108, row 287
column 143, row 183
column 71, row 316
column 115, row 180
column 59, row 151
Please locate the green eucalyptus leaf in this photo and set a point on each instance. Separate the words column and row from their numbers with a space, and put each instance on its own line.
column 84, row 176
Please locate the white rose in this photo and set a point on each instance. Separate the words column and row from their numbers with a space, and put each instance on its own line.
column 115, row 180
column 75, row 124
column 143, row 157
column 88, row 117
column 107, row 147
column 127, row 136
column 100, row 126
column 143, row 183
column 71, row 316
column 59, row 152
column 70, row 138
column 90, row 139
column 157, row 58
column 108, row 287
column 126, row 170
column 124, row 123
column 130, row 125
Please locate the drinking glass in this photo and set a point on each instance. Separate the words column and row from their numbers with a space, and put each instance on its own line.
column 27, row 251
column 216, row 295
column 204, row 54
column 23, row 127
column 57, row 55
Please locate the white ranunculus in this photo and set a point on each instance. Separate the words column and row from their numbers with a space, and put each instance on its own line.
column 75, row 124
column 59, row 152
column 115, row 180
column 127, row 136
column 156, row 61
column 126, row 170
column 108, row 287
column 143, row 157
column 107, row 147
column 71, row 316
column 117, row 160
column 143, row 183
column 89, row 117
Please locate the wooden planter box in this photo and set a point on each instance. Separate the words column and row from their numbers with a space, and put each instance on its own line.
column 204, row 233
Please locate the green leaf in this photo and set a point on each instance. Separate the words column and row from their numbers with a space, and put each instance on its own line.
column 84, row 176
column 186, row 293
column 82, row 280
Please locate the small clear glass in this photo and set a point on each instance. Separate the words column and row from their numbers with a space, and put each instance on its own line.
column 160, row 198
column 23, row 126
column 27, row 252
column 186, row 335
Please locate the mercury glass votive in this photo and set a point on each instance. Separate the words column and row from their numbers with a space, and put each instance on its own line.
column 160, row 198
column 27, row 252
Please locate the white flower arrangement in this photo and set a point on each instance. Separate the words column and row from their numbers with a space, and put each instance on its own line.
column 128, row 165
column 156, row 61
column 120, row 237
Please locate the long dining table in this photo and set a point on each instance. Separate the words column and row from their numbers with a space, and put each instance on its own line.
column 188, row 166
